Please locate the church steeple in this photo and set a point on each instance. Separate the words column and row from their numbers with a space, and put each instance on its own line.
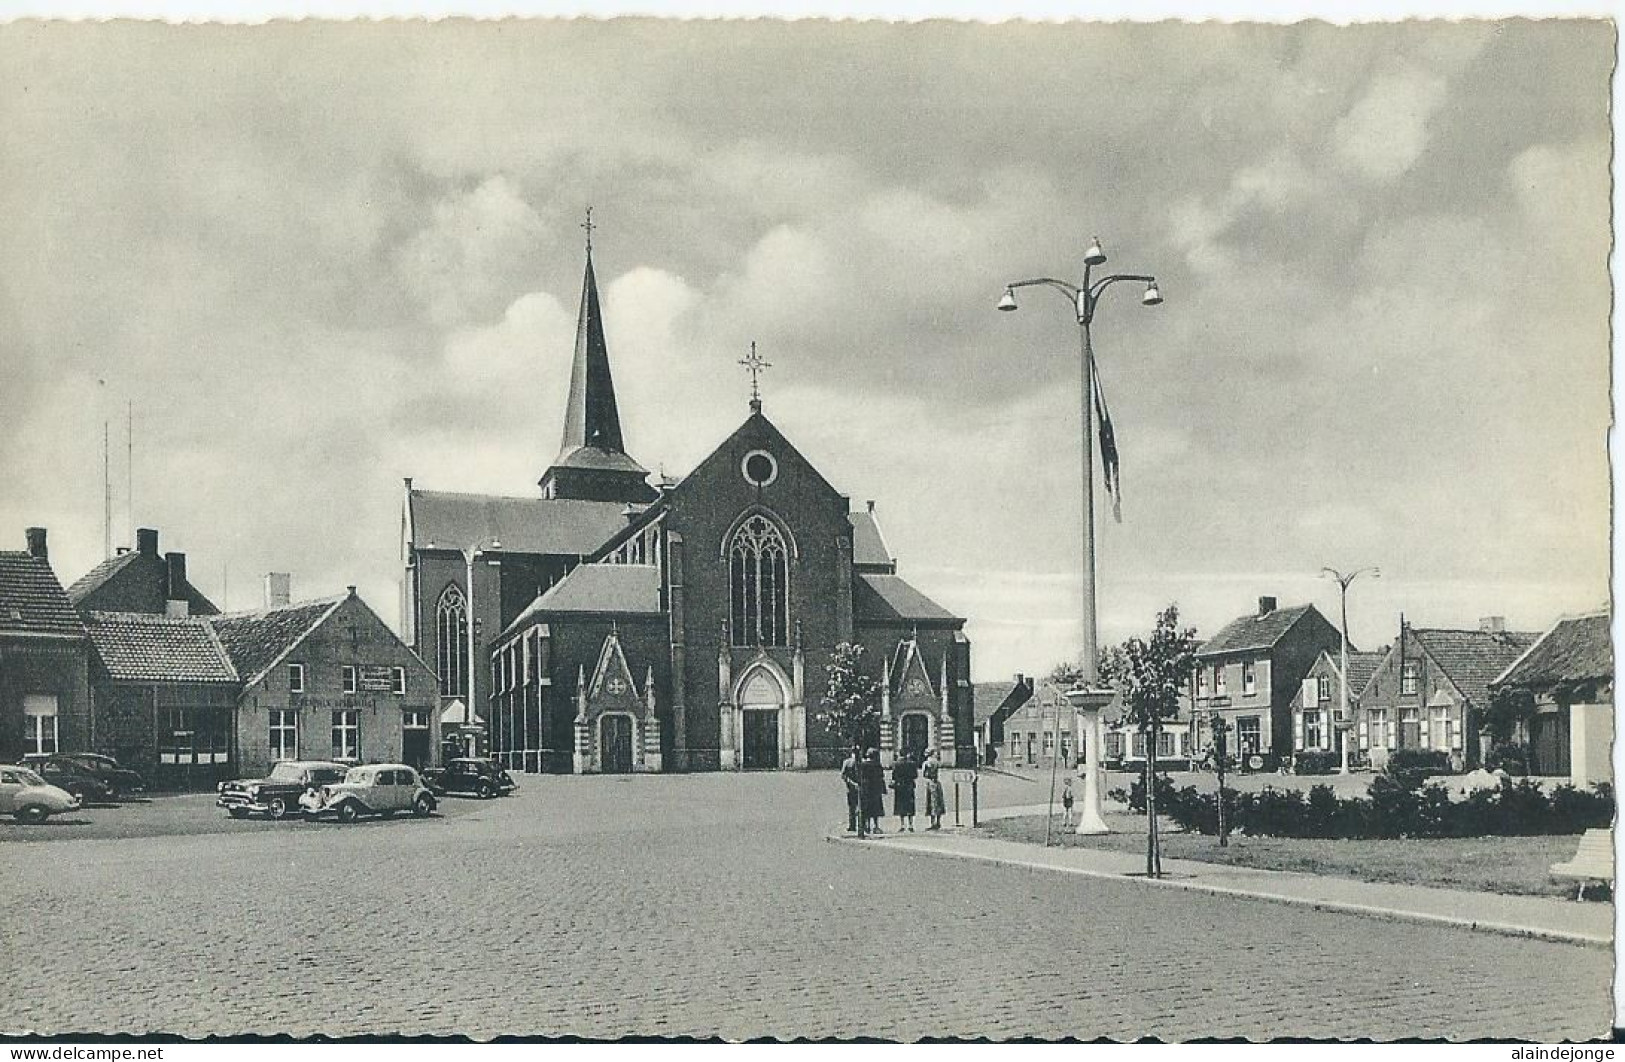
column 592, row 462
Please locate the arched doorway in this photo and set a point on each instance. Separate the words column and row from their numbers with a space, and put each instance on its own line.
column 916, row 737
column 761, row 704
column 615, row 732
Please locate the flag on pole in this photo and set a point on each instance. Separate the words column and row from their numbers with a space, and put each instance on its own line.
column 1111, row 470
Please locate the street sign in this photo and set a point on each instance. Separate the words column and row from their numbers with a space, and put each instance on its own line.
column 965, row 777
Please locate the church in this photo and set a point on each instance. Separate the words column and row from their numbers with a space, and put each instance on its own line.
column 604, row 623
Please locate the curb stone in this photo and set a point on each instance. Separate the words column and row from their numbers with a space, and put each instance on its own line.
column 1391, row 914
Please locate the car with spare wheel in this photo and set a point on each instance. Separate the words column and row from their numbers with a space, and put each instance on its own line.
column 276, row 796
column 374, row 789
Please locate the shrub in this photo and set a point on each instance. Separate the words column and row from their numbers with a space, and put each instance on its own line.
column 1316, row 762
column 1135, row 797
column 1511, row 758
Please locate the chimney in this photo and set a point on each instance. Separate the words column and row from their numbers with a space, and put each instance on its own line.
column 175, row 576
column 278, row 589
column 146, row 541
column 36, row 544
column 1266, row 605
column 1487, row 624
column 871, row 505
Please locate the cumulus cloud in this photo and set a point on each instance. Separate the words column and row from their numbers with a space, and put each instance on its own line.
column 465, row 262
column 1386, row 130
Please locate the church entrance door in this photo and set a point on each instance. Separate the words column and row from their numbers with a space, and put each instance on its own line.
column 916, row 735
column 617, row 746
column 761, row 738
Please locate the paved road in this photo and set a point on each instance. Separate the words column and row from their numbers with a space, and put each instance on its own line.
column 705, row 906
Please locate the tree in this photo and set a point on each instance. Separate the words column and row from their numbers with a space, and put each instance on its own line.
column 1149, row 675
column 1066, row 674
column 851, row 705
column 1507, row 719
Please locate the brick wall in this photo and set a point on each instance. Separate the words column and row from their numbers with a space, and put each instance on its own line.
column 44, row 666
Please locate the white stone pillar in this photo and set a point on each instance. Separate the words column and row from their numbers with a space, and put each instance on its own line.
column 1088, row 704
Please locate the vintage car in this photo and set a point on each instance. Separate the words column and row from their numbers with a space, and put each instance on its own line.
column 117, row 781
column 277, row 794
column 375, row 789
column 29, row 798
column 470, row 774
column 67, row 775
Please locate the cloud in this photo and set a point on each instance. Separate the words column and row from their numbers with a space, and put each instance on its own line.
column 1386, row 130
column 468, row 260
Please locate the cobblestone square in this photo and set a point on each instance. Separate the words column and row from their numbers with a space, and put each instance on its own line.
column 701, row 905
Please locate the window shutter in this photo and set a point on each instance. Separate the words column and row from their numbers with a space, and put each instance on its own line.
column 1422, row 729
column 1452, row 734
column 1365, row 734
column 1310, row 694
column 1298, row 718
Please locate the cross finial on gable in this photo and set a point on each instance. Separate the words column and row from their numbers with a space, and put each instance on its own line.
column 754, row 363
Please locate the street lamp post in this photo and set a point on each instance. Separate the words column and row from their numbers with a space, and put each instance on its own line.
column 1343, row 583
column 1085, row 297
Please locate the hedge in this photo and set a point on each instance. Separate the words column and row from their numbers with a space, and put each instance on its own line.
column 1392, row 808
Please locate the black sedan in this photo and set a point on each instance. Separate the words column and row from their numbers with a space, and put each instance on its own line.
column 70, row 773
column 473, row 775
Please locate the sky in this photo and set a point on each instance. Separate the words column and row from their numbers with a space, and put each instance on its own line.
column 315, row 258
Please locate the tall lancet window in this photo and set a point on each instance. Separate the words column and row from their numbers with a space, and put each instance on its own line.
column 451, row 642
column 759, row 573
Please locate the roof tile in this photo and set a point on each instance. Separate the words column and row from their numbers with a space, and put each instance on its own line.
column 1575, row 649
column 138, row 646
column 32, row 600
column 556, row 526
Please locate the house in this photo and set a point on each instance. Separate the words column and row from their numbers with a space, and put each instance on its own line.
column 1126, row 742
column 1431, row 689
column 1042, row 726
column 1251, row 671
column 1570, row 672
column 45, row 658
column 190, row 700
column 605, row 623
column 1320, row 722
column 140, row 580
column 995, row 702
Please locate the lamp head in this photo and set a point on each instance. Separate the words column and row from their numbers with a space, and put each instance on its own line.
column 1094, row 255
column 1007, row 301
column 1152, row 296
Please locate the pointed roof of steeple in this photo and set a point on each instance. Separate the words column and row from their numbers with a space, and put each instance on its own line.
column 591, row 417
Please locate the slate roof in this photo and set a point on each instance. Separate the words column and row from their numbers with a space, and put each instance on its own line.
column 253, row 641
column 623, row 588
column 32, row 600
column 595, row 457
column 558, row 526
column 1574, row 649
column 138, row 646
column 881, row 597
column 1473, row 659
column 94, row 579
column 1253, row 631
column 868, row 544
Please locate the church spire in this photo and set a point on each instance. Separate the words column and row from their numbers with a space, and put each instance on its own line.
column 591, row 417
column 593, row 464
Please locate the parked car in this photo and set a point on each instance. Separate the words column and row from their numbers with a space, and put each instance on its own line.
column 118, row 781
column 376, row 789
column 67, row 775
column 471, row 774
column 29, row 798
column 277, row 794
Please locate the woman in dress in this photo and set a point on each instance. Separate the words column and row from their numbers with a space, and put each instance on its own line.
column 903, row 774
column 872, row 780
column 934, row 803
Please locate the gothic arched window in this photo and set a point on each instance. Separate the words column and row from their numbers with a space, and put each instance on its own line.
column 759, row 576
column 451, row 642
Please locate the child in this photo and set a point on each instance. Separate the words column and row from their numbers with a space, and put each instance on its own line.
column 1066, row 802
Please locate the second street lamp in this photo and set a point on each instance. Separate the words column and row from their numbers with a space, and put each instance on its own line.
column 1344, row 723
column 1085, row 298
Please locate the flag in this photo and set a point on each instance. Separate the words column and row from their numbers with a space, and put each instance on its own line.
column 1110, row 469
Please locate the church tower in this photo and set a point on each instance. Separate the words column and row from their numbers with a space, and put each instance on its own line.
column 593, row 464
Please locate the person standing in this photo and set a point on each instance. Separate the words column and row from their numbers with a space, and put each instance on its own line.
column 849, row 775
column 872, row 790
column 935, row 805
column 903, row 774
column 1066, row 802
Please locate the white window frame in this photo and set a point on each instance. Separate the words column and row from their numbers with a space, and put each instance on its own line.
column 1376, row 724
column 284, row 722
column 346, row 725
column 1249, row 678
column 35, row 735
column 1323, row 687
column 1201, row 681
column 350, row 678
column 296, row 678
column 397, row 681
column 1219, row 689
column 1313, row 721
column 1410, row 679
column 1165, row 743
column 1258, row 729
